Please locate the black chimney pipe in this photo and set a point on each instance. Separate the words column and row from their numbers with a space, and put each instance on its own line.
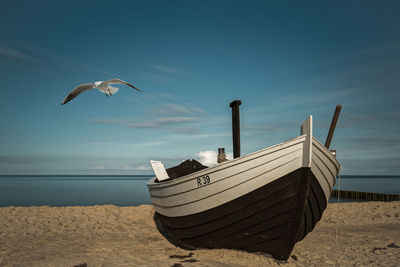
column 235, row 127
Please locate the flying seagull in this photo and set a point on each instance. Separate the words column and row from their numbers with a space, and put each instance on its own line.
column 102, row 86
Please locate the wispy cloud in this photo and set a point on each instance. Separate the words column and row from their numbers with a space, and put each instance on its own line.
column 120, row 167
column 33, row 159
column 16, row 55
column 319, row 102
column 176, row 109
column 66, row 62
column 381, row 142
column 155, row 123
column 374, row 52
column 151, row 144
column 168, row 123
column 154, row 97
column 371, row 120
column 372, row 166
column 161, row 73
column 178, row 137
column 387, row 47
column 161, row 122
column 259, row 129
column 320, row 97
column 170, row 116
column 155, row 77
column 49, row 163
column 165, row 69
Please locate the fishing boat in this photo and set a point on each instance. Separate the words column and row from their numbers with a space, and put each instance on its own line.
column 265, row 201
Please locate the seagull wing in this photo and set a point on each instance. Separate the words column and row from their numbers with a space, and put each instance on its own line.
column 115, row 80
column 81, row 88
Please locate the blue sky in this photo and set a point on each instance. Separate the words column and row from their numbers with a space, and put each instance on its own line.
column 285, row 60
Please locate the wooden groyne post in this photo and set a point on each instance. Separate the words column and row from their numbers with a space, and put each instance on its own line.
column 368, row 196
column 235, row 127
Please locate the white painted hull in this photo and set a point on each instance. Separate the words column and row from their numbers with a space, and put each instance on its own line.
column 211, row 187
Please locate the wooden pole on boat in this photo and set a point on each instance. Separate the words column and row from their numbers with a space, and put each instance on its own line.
column 333, row 125
column 235, row 127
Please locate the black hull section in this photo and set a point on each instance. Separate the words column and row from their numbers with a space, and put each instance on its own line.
column 315, row 206
column 270, row 219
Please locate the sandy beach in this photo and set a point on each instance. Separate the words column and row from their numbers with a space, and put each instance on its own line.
column 351, row 234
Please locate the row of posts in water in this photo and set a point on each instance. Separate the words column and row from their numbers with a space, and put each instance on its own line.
column 367, row 196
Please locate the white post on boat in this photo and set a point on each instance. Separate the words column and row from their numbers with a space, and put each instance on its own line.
column 307, row 129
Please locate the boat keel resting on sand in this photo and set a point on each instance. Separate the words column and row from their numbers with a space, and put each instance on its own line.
column 265, row 201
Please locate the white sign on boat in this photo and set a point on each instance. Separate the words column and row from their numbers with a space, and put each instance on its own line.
column 159, row 170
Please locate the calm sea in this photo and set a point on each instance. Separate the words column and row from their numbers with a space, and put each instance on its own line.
column 72, row 190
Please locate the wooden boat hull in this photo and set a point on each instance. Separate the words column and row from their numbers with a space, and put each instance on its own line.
column 263, row 202
column 264, row 220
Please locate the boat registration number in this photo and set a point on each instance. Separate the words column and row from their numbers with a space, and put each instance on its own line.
column 203, row 180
